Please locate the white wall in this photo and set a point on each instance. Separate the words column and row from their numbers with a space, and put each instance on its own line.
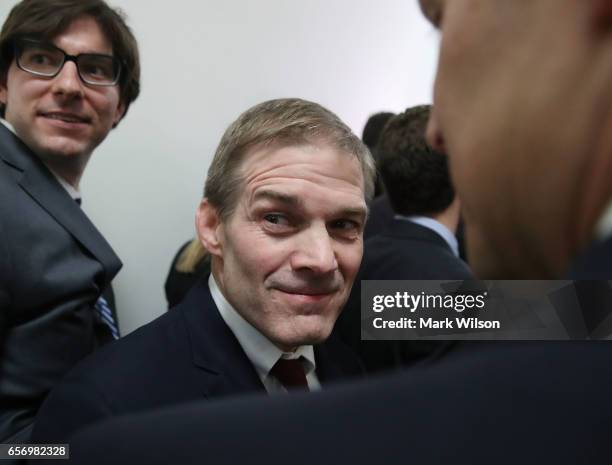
column 203, row 63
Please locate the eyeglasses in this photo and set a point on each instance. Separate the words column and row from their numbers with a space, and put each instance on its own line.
column 46, row 60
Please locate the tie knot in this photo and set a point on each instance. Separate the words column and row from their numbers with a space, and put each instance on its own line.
column 290, row 373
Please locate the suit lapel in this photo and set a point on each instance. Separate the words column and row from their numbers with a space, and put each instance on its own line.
column 335, row 361
column 40, row 184
column 326, row 370
column 222, row 365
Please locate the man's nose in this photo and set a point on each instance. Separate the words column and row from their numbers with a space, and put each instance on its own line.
column 314, row 251
column 68, row 82
column 433, row 133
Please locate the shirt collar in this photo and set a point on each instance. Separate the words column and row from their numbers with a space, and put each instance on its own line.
column 262, row 353
column 74, row 193
column 436, row 227
column 8, row 126
column 603, row 228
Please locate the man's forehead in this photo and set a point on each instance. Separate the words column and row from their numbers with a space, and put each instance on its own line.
column 432, row 9
column 279, row 173
column 85, row 30
column 273, row 155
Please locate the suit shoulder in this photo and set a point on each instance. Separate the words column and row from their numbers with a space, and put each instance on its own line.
column 404, row 258
column 139, row 371
column 135, row 354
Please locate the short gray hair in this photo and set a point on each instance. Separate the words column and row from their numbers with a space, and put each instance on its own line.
column 282, row 122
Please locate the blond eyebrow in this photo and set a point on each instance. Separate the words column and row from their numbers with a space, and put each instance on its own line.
column 293, row 201
column 361, row 212
column 290, row 200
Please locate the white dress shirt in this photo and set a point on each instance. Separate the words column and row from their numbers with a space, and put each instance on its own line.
column 262, row 353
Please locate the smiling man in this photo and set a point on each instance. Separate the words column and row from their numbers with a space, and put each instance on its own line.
column 69, row 70
column 282, row 216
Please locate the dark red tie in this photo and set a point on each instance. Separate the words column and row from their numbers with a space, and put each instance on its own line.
column 290, row 373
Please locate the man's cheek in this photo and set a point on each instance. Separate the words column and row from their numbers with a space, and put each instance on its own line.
column 353, row 261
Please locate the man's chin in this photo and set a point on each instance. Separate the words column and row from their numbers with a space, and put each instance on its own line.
column 62, row 149
column 303, row 333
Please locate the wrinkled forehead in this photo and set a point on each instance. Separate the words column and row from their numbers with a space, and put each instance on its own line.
column 432, row 9
column 315, row 163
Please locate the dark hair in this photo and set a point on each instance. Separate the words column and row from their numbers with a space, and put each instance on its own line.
column 373, row 128
column 416, row 177
column 371, row 134
column 46, row 19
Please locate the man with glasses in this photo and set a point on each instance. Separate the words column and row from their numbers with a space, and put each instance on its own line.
column 69, row 69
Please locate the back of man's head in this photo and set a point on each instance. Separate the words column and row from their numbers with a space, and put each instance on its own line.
column 416, row 177
column 374, row 127
column 46, row 19
column 529, row 153
column 370, row 137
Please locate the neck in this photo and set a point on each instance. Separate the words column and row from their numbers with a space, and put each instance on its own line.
column 71, row 177
column 450, row 216
column 287, row 350
column 70, row 170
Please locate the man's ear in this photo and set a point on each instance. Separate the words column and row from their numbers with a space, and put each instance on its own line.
column 3, row 91
column 119, row 112
column 209, row 227
column 601, row 15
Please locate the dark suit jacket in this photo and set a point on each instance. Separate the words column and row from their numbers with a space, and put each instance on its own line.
column 186, row 354
column 54, row 265
column 594, row 263
column 499, row 403
column 409, row 251
column 381, row 214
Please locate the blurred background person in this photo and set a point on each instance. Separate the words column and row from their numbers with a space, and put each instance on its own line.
column 418, row 243
column 191, row 263
column 380, row 209
column 370, row 137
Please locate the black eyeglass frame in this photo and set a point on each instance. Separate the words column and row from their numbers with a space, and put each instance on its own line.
column 117, row 63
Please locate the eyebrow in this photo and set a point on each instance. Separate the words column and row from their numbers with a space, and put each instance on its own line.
column 50, row 44
column 361, row 212
column 289, row 200
column 295, row 202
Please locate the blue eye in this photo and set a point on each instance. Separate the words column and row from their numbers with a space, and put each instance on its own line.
column 276, row 219
column 345, row 229
column 345, row 224
column 40, row 59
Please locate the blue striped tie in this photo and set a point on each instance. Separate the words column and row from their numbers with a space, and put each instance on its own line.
column 107, row 316
column 102, row 307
